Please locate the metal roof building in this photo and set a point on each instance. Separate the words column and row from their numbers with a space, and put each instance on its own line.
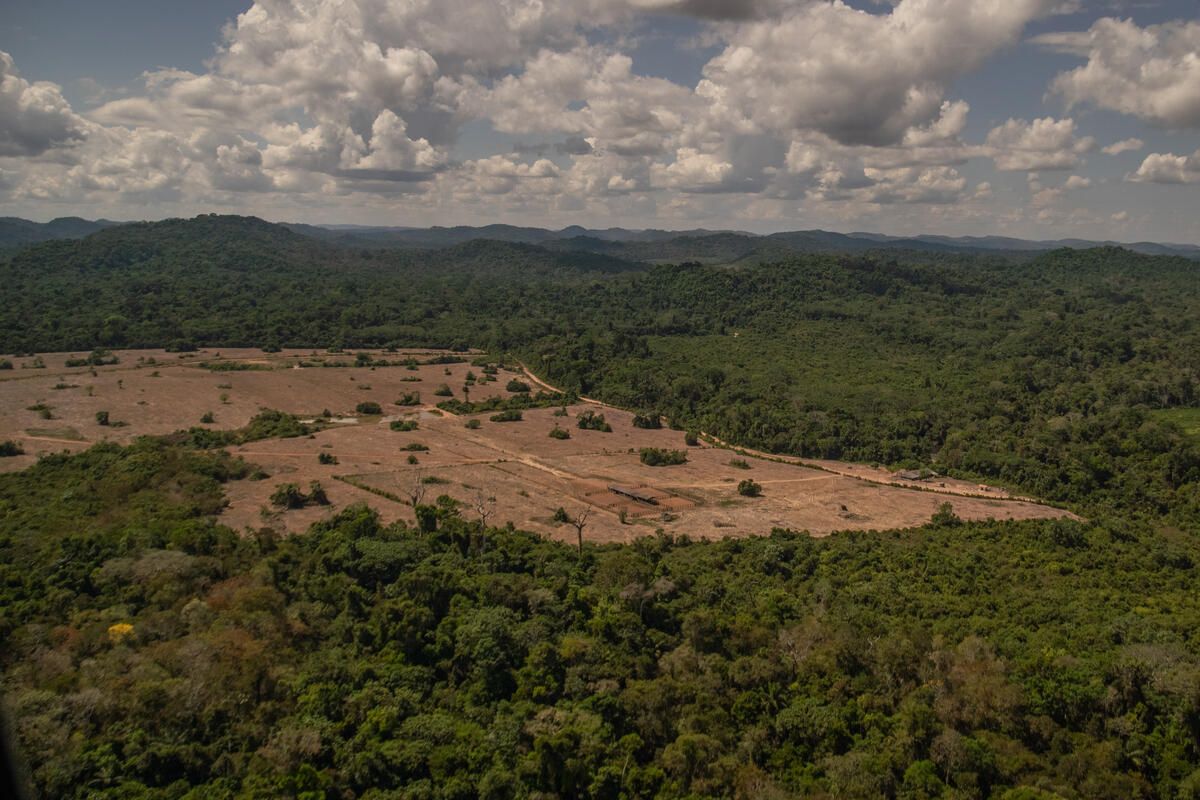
column 633, row 493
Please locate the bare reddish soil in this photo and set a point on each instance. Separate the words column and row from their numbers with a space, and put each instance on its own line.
column 521, row 473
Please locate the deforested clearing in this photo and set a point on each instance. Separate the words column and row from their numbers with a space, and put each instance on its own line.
column 524, row 474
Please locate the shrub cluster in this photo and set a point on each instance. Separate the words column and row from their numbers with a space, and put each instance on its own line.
column 657, row 457
column 591, row 421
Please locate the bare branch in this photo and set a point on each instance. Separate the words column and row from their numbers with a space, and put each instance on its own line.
column 579, row 521
column 416, row 490
column 485, row 505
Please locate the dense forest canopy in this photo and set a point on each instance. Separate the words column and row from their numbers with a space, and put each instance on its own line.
column 148, row 651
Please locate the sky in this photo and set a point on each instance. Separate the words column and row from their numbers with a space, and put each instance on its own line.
column 1030, row 118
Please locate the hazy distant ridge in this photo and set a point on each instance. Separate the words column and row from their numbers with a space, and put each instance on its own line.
column 15, row 232
column 711, row 246
column 575, row 237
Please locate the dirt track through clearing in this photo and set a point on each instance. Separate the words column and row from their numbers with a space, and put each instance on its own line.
column 864, row 472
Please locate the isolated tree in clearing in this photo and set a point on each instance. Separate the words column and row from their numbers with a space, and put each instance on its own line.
column 579, row 521
column 749, row 488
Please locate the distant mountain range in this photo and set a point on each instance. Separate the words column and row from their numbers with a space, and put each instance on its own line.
column 704, row 245
column 16, row 232
column 652, row 245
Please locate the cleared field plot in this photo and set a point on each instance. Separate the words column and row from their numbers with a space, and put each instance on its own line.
column 53, row 408
column 515, row 471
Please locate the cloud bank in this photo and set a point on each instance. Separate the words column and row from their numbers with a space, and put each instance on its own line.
column 538, row 107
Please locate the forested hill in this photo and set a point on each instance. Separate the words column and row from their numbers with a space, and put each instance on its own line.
column 17, row 232
column 249, row 244
column 221, row 280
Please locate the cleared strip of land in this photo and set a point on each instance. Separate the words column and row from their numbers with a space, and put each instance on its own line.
column 514, row 469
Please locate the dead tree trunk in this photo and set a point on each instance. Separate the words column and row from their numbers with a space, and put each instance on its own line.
column 579, row 521
column 484, row 507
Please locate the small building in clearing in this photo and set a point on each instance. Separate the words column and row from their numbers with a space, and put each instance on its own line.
column 634, row 493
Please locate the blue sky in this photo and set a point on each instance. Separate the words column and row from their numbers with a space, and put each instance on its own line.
column 1033, row 118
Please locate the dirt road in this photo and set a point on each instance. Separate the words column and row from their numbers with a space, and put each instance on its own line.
column 862, row 472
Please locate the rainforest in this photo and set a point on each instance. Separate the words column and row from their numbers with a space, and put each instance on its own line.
column 150, row 650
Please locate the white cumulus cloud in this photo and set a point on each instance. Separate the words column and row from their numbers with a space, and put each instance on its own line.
column 1045, row 143
column 692, row 170
column 857, row 77
column 1167, row 168
column 1151, row 72
column 34, row 117
column 1116, row 148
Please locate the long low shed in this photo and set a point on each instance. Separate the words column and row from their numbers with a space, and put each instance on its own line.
column 633, row 493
